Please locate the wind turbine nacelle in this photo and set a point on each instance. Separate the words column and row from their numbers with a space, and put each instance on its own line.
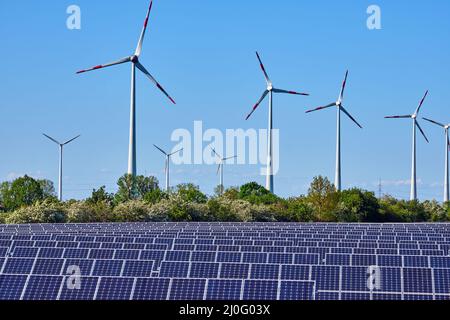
column 134, row 59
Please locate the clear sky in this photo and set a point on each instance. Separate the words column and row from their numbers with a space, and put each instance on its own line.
column 202, row 52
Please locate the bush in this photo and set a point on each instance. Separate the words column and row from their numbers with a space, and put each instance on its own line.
column 40, row 212
column 132, row 211
column 84, row 212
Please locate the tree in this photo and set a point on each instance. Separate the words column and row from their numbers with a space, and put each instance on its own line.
column 358, row 206
column 134, row 187
column 24, row 191
column 256, row 194
column 190, row 193
column 323, row 198
column 100, row 195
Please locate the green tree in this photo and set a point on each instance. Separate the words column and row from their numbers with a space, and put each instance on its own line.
column 134, row 187
column 256, row 194
column 190, row 193
column 358, row 206
column 100, row 195
column 323, row 198
column 24, row 191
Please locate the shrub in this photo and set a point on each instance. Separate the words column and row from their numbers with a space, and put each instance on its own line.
column 132, row 211
column 40, row 212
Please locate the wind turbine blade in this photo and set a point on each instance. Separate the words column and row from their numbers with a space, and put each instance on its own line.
column 423, row 133
column 290, row 92
column 54, row 140
column 263, row 68
column 421, row 103
column 141, row 38
column 399, row 117
column 229, row 158
column 435, row 122
column 321, row 108
column 350, row 116
column 101, row 66
column 176, row 152
column 218, row 168
column 160, row 149
column 214, row 151
column 341, row 95
column 257, row 104
column 69, row 141
column 141, row 67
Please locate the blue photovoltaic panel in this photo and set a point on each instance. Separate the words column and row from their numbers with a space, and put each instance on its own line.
column 204, row 270
column 101, row 254
column 280, row 258
column 294, row 272
column 417, row 280
column 354, row 296
column 417, row 297
column 84, row 266
column 391, row 280
column 364, row 260
column 234, row 271
column 309, row 259
column 296, row 290
column 151, row 289
column 55, row 253
column 11, row 286
column 264, row 271
column 76, row 253
column 203, row 256
column 260, row 290
column 225, row 290
column 386, row 296
column 327, row 296
column 138, row 268
column 355, row 279
column 229, row 257
column 254, row 257
column 126, row 254
column 78, row 288
column 43, row 288
column 442, row 280
column 115, row 289
column 337, row 259
column 389, row 261
column 24, row 252
column 174, row 270
column 326, row 277
column 187, row 289
column 107, row 268
column 18, row 266
column 416, row 261
column 48, row 266
column 178, row 256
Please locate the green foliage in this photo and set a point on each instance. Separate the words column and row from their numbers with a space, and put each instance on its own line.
column 323, row 198
column 40, row 212
column 190, row 193
column 134, row 187
column 256, row 194
column 155, row 196
column 100, row 195
column 358, row 206
column 134, row 211
column 24, row 191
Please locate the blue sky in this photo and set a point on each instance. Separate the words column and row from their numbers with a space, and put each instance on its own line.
column 203, row 53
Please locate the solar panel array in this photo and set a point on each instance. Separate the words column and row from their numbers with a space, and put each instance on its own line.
column 225, row 261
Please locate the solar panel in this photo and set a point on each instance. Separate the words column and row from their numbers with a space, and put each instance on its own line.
column 417, row 280
column 264, row 271
column 296, row 290
column 11, row 286
column 151, row 289
column 260, row 290
column 42, row 288
column 225, row 290
column 48, row 266
column 204, row 270
column 234, row 271
column 18, row 266
column 174, row 270
column 85, row 290
column 114, row 289
column 187, row 289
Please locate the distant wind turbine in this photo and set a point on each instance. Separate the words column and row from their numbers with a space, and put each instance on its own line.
column 61, row 146
column 447, row 147
column 135, row 63
column 166, row 170
column 222, row 162
column 269, row 91
column 416, row 124
column 340, row 107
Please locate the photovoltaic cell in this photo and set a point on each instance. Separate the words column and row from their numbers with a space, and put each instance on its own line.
column 417, row 280
column 204, row 270
column 115, row 289
column 43, row 288
column 11, row 286
column 85, row 291
column 174, row 270
column 234, row 271
column 151, row 289
column 187, row 289
column 48, row 266
column 18, row 266
column 225, row 290
column 107, row 268
column 260, row 290
column 138, row 268
column 296, row 290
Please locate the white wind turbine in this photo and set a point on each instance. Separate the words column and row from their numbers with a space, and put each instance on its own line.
column 416, row 124
column 61, row 146
column 340, row 107
column 222, row 162
column 270, row 91
column 447, row 147
column 135, row 63
column 167, row 165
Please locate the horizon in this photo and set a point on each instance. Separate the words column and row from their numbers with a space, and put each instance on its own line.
column 384, row 79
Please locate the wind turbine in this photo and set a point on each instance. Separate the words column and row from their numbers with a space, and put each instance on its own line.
column 166, row 170
column 135, row 63
column 340, row 108
column 222, row 162
column 416, row 124
column 447, row 147
column 270, row 91
column 61, row 146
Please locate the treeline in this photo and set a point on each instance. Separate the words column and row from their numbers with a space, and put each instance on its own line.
column 140, row 199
